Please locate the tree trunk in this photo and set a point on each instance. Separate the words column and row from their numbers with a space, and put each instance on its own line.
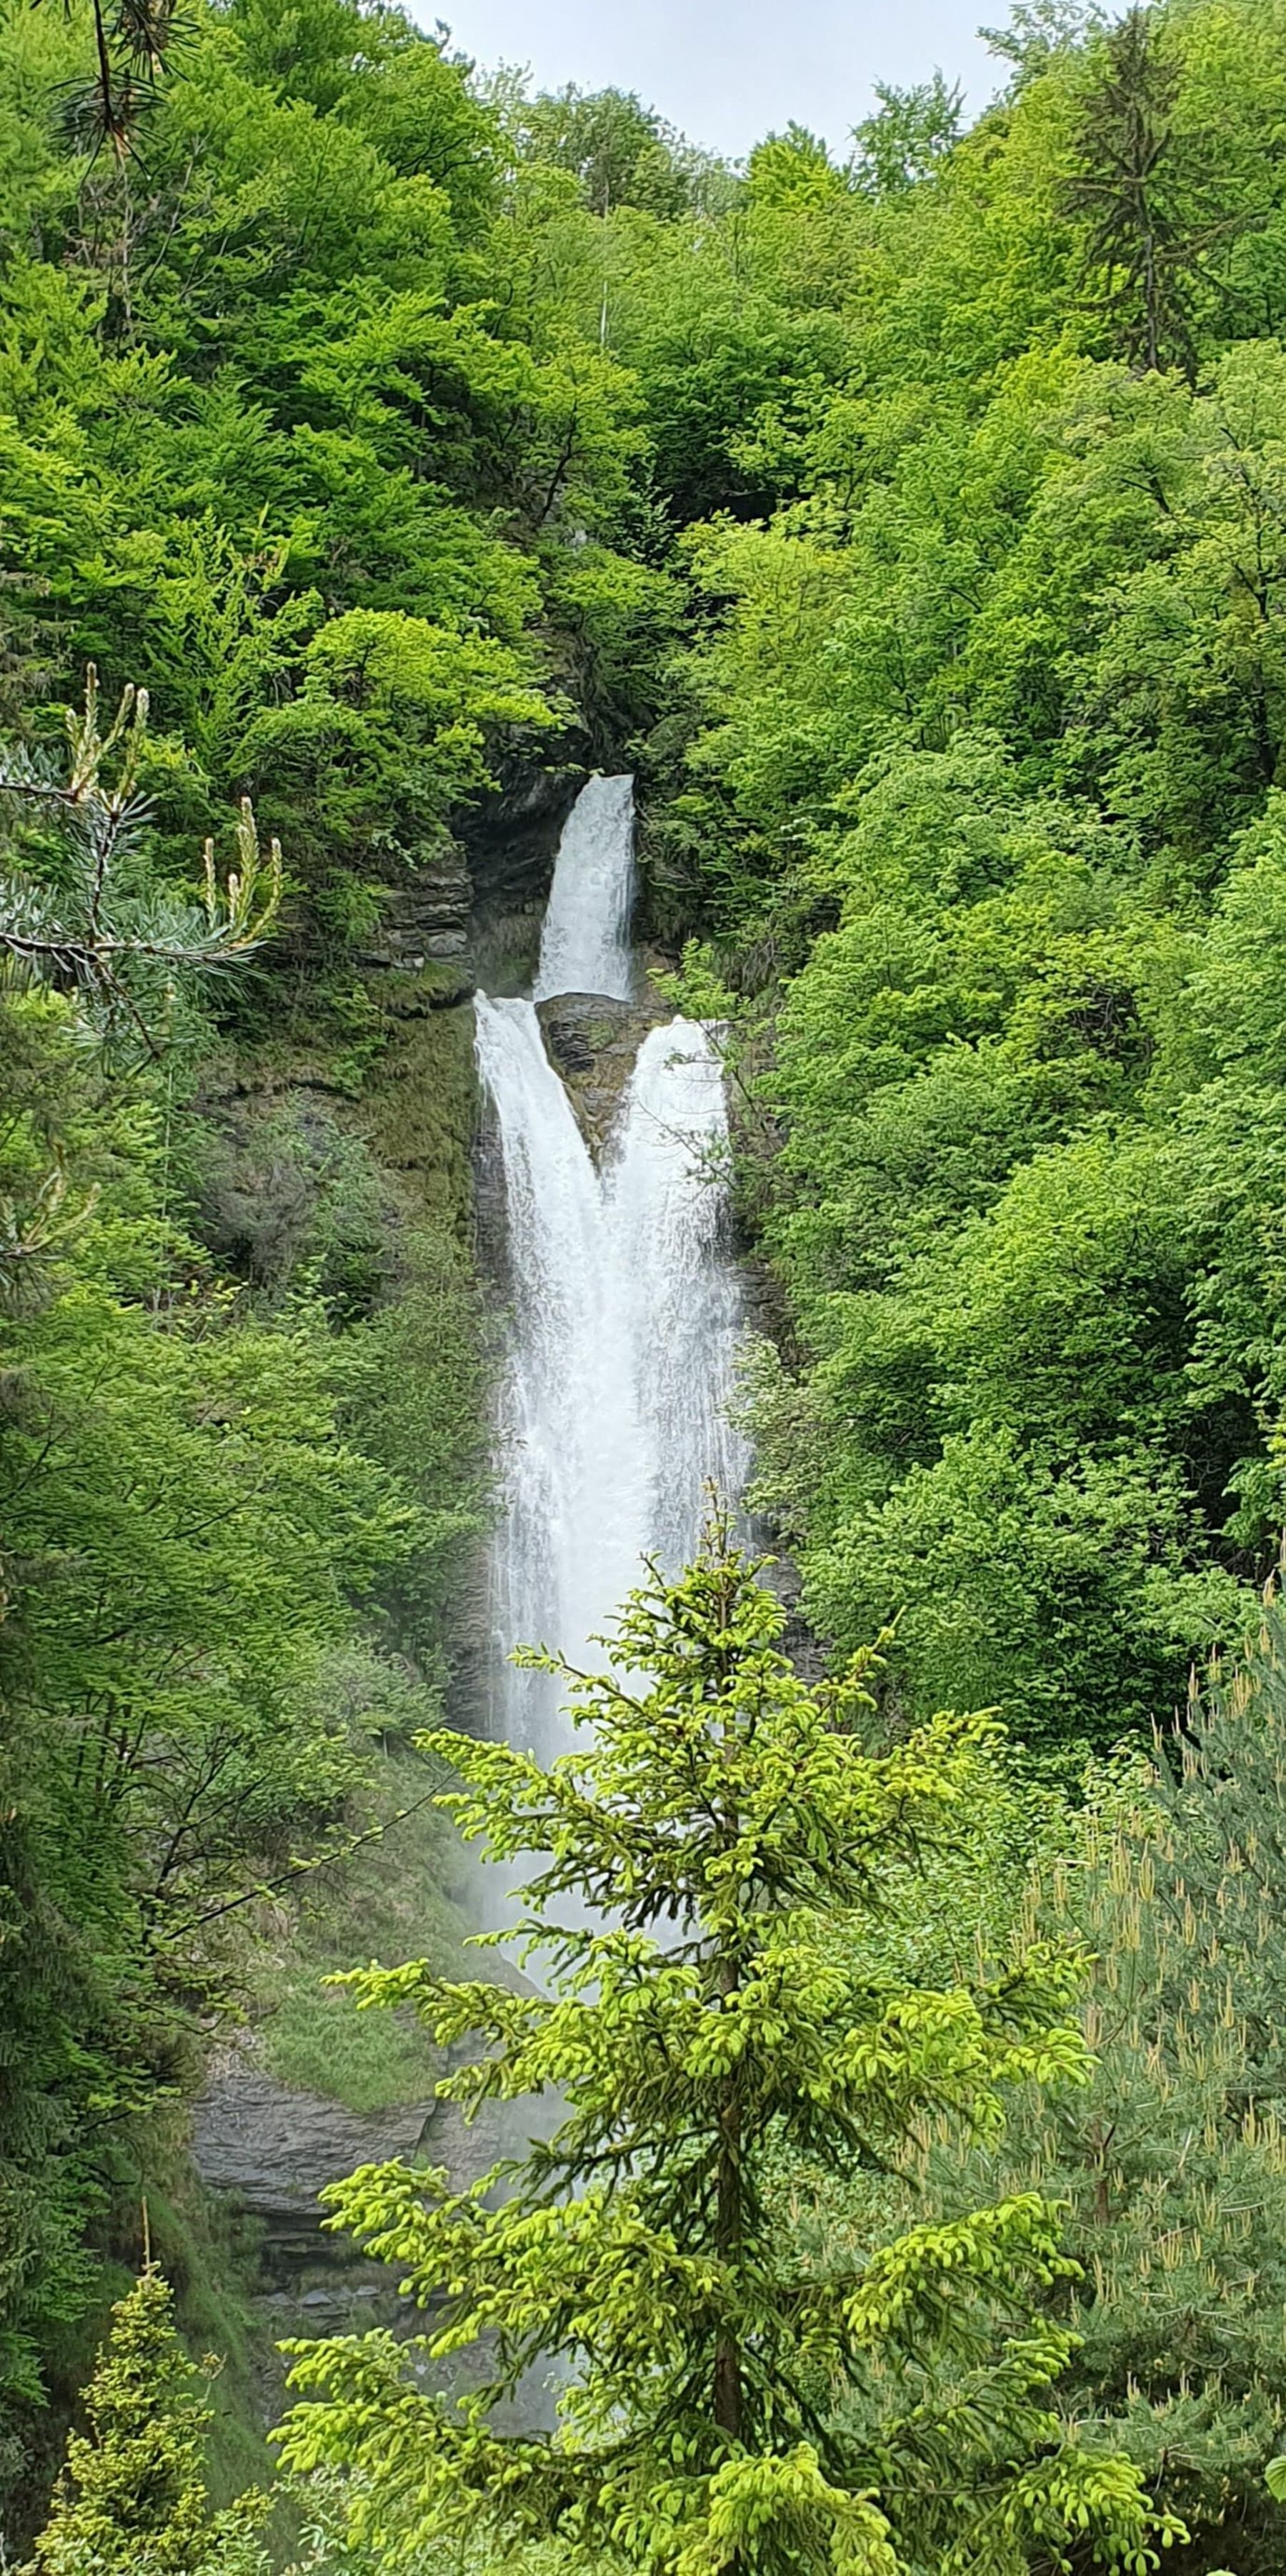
column 727, row 2359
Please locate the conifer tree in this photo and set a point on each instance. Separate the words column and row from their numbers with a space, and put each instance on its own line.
column 82, row 913
column 721, row 1818
column 1134, row 185
column 132, row 44
column 1119, row 185
column 1171, row 2164
column 131, row 2500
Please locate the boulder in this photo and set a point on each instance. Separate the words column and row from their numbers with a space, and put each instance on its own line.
column 594, row 1043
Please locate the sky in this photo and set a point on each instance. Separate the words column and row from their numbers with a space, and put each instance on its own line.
column 728, row 71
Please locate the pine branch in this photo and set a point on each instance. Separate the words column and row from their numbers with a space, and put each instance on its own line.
column 88, row 936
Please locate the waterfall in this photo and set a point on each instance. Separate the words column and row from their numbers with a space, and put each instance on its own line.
column 585, row 943
column 624, row 1303
column 666, row 1208
column 572, row 1450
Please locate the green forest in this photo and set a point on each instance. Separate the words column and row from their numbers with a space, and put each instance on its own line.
column 384, row 448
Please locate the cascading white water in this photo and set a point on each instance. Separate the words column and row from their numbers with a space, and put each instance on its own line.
column 666, row 1207
column 624, row 1302
column 585, row 943
column 571, row 1444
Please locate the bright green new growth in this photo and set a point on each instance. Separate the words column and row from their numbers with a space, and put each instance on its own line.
column 720, row 1817
column 131, row 2500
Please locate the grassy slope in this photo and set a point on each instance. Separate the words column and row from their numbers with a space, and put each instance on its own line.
column 403, row 1897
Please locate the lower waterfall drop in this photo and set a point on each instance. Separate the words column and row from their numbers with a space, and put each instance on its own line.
column 571, row 1445
column 666, row 1198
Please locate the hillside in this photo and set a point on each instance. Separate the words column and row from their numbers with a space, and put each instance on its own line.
column 393, row 449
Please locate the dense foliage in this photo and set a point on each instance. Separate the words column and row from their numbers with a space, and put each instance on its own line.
column 916, row 524
column 972, row 779
column 1171, row 2166
column 131, row 2500
column 290, row 500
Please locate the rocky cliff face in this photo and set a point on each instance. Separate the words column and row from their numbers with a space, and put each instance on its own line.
column 509, row 838
column 473, row 889
column 271, row 2150
column 426, row 920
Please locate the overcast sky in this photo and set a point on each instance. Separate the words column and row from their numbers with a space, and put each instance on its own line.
column 728, row 71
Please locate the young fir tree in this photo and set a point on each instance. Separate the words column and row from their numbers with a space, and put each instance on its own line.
column 131, row 2500
column 720, row 1815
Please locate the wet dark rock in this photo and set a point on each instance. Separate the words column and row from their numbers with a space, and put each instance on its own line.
column 272, row 2151
column 509, row 837
column 426, row 920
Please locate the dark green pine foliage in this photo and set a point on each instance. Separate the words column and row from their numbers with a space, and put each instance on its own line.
column 1123, row 188
column 722, row 1811
column 50, row 1999
column 1171, row 2165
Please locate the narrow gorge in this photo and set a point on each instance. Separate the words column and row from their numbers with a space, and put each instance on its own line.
column 601, row 1151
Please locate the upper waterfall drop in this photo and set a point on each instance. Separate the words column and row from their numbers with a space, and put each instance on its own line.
column 585, row 943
